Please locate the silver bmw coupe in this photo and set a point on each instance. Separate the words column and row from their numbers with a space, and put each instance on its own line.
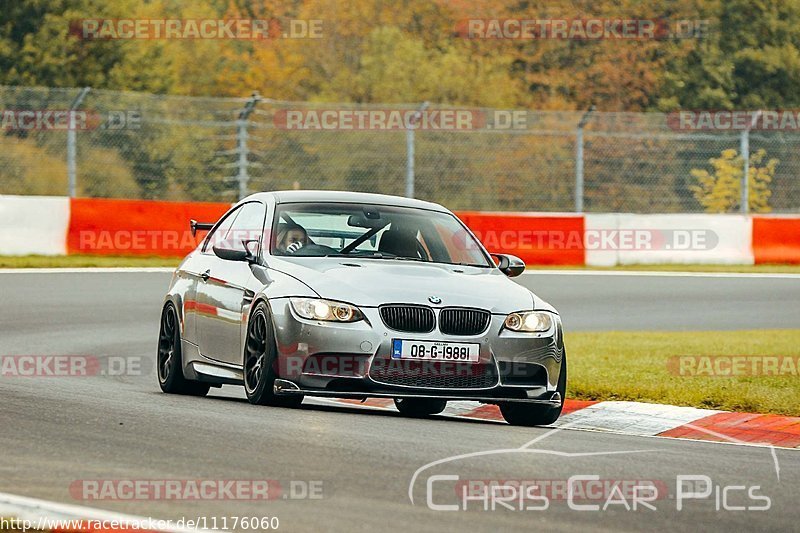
column 353, row 295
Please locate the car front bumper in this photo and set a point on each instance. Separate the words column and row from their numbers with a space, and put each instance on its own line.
column 354, row 360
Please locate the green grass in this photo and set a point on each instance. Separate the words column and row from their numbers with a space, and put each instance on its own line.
column 756, row 269
column 633, row 366
column 80, row 261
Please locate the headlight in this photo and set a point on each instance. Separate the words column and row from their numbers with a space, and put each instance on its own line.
column 529, row 321
column 318, row 309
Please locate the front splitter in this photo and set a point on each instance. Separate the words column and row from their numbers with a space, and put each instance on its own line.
column 285, row 387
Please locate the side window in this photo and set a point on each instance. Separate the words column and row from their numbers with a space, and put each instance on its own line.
column 249, row 224
column 218, row 234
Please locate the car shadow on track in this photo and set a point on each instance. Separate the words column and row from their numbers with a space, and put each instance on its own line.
column 356, row 409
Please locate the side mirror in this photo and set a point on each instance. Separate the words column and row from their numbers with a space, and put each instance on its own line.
column 236, row 253
column 510, row 265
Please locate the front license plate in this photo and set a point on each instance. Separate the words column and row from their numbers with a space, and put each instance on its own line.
column 436, row 351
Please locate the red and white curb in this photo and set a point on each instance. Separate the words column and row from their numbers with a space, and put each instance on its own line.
column 60, row 517
column 642, row 419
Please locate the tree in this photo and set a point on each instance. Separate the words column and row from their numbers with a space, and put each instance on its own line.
column 38, row 46
column 750, row 59
column 721, row 191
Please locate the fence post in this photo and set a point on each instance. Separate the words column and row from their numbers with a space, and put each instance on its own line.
column 579, row 160
column 72, row 165
column 410, row 150
column 241, row 144
column 744, row 150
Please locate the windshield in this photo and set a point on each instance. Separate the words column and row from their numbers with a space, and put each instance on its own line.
column 375, row 232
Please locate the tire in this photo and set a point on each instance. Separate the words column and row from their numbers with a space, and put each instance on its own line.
column 260, row 355
column 169, row 359
column 419, row 406
column 525, row 414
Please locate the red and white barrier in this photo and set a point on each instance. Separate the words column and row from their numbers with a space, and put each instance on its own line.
column 104, row 226
column 56, row 226
column 536, row 238
column 33, row 225
column 776, row 239
column 665, row 239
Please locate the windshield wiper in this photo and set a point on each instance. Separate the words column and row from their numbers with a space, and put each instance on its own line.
column 379, row 255
column 376, row 255
column 470, row 265
column 365, row 255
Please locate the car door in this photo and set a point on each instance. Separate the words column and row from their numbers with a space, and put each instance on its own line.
column 196, row 267
column 222, row 292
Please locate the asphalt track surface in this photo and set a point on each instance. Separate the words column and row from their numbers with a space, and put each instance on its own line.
column 56, row 431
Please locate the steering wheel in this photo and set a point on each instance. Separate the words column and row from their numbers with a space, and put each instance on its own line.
column 313, row 249
column 292, row 248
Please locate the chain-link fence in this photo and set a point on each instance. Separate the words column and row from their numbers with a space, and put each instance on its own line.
column 132, row 145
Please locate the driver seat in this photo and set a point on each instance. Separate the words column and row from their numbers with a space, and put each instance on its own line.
column 399, row 243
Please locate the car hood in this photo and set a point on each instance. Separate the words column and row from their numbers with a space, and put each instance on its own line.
column 371, row 282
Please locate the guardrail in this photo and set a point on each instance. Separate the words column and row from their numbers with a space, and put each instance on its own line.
column 61, row 225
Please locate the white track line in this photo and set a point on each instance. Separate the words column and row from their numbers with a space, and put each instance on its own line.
column 34, row 509
column 665, row 274
column 87, row 270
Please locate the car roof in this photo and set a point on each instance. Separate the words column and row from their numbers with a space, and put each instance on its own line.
column 305, row 196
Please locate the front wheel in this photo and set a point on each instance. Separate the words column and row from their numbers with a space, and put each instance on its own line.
column 170, row 362
column 419, row 406
column 525, row 414
column 260, row 356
